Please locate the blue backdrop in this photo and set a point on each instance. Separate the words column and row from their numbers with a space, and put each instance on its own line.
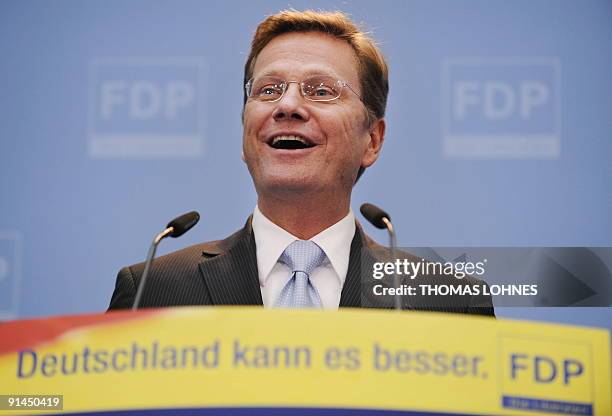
column 119, row 115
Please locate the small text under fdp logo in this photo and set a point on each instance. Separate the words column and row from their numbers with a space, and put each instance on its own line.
column 146, row 108
column 501, row 108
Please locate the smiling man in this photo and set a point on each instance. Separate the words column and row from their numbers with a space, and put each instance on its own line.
column 315, row 95
column 307, row 131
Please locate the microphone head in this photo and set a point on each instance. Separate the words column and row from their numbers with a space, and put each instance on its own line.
column 375, row 215
column 183, row 223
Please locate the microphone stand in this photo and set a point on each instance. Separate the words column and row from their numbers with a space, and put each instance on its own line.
column 148, row 263
column 392, row 246
column 175, row 228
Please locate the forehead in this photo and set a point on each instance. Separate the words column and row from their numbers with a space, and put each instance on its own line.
column 301, row 54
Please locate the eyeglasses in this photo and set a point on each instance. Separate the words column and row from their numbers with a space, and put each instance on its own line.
column 319, row 88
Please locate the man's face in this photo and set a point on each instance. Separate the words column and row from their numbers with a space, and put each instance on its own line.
column 337, row 132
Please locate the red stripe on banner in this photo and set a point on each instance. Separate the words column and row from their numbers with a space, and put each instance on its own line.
column 17, row 335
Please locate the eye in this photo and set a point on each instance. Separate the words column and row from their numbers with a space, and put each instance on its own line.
column 267, row 89
column 321, row 89
column 270, row 90
column 324, row 91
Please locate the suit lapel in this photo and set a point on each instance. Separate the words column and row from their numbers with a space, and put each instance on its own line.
column 350, row 296
column 230, row 270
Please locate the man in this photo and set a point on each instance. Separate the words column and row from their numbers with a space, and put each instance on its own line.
column 313, row 117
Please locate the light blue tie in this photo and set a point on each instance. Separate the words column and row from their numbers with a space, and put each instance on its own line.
column 302, row 257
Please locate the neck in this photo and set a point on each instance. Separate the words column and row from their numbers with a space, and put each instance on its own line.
column 303, row 217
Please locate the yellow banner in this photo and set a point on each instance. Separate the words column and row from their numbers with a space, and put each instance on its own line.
column 257, row 361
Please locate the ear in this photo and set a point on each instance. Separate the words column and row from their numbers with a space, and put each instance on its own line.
column 374, row 146
column 242, row 156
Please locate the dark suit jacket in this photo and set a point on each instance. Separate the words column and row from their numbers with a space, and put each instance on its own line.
column 224, row 272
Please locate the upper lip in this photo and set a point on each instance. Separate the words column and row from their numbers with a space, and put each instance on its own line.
column 290, row 133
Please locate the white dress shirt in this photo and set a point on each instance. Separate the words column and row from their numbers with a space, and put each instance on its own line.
column 271, row 240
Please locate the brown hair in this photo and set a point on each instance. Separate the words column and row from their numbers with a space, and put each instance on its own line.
column 373, row 71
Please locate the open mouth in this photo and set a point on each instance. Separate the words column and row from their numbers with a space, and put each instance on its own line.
column 290, row 143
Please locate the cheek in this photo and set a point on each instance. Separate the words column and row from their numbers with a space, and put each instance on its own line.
column 252, row 120
column 343, row 123
column 354, row 131
column 249, row 134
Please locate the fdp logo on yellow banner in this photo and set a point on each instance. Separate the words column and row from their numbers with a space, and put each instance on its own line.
column 549, row 375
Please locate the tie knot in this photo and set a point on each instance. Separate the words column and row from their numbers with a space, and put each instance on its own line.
column 303, row 256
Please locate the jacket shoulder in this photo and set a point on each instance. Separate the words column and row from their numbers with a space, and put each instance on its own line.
column 174, row 278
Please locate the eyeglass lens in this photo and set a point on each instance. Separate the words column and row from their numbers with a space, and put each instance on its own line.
column 317, row 88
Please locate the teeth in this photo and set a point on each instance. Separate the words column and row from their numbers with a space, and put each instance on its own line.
column 295, row 138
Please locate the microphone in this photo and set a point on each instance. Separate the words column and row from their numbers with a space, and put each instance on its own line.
column 175, row 228
column 375, row 215
column 184, row 223
column 380, row 219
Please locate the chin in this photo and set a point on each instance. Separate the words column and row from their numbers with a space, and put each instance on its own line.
column 290, row 183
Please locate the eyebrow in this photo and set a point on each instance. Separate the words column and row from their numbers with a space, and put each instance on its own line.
column 307, row 73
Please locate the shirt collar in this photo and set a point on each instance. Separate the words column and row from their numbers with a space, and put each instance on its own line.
column 271, row 240
column 335, row 241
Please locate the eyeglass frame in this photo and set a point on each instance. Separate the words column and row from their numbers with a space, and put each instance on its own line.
column 285, row 86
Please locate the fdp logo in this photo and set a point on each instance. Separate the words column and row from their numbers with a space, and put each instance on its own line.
column 146, row 108
column 10, row 274
column 544, row 375
column 501, row 108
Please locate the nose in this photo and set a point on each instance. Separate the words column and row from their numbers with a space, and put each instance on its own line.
column 291, row 106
